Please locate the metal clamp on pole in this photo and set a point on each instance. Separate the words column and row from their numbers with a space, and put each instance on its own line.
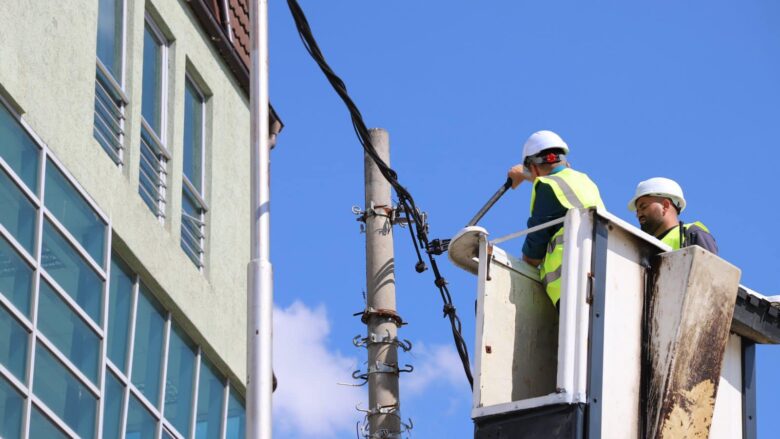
column 383, row 210
column 382, row 313
column 360, row 341
column 379, row 410
column 392, row 410
column 391, row 368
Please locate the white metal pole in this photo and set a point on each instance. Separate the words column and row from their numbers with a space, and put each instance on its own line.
column 260, row 273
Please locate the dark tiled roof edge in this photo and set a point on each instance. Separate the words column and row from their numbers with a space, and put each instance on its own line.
column 756, row 318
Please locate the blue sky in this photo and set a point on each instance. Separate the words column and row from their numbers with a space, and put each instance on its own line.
column 688, row 91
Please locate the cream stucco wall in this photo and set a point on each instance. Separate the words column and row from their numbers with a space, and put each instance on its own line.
column 47, row 68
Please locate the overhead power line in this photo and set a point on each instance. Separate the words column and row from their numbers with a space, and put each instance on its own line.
column 419, row 232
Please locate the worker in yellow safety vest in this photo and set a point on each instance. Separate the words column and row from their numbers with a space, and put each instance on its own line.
column 556, row 189
column 658, row 203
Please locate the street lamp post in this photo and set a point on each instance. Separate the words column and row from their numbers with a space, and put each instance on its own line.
column 259, row 270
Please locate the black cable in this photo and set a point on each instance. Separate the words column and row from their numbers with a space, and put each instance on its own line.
column 420, row 266
column 405, row 199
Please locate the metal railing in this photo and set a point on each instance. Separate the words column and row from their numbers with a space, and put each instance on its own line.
column 153, row 175
column 110, row 102
column 193, row 225
column 528, row 231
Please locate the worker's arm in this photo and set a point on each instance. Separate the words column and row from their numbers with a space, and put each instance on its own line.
column 694, row 235
column 546, row 208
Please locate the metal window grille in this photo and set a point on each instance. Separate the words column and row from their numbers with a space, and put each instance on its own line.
column 110, row 103
column 193, row 224
column 153, row 176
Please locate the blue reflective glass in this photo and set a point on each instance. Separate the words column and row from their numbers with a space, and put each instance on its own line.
column 109, row 36
column 236, row 417
column 120, row 301
column 193, row 136
column 73, row 212
column 11, row 404
column 71, row 272
column 18, row 149
column 151, row 99
column 18, row 213
column 179, row 381
column 69, row 333
column 13, row 344
column 42, row 428
column 63, row 393
column 140, row 423
column 148, row 345
column 211, row 392
column 15, row 278
column 112, row 406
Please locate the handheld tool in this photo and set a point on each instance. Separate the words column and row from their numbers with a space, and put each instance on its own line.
column 499, row 193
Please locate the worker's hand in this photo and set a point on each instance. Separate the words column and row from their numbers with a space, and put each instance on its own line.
column 517, row 175
column 531, row 261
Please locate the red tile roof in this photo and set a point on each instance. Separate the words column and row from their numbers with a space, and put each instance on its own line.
column 219, row 25
column 239, row 22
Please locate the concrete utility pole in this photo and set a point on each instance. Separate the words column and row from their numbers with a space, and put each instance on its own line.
column 382, row 318
column 260, row 295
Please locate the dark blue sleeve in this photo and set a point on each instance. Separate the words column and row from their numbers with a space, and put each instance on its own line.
column 546, row 208
column 695, row 235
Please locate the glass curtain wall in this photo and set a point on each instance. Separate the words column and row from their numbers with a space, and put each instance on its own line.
column 83, row 341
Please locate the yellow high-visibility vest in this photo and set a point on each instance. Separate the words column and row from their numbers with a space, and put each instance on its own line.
column 672, row 237
column 573, row 190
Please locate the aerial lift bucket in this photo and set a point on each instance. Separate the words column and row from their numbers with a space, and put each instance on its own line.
column 636, row 349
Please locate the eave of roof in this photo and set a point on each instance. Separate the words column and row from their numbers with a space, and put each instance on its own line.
column 756, row 318
column 229, row 54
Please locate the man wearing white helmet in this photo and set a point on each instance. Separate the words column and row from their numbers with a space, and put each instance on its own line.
column 658, row 203
column 556, row 189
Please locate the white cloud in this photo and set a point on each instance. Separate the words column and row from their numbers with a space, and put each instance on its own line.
column 434, row 365
column 308, row 402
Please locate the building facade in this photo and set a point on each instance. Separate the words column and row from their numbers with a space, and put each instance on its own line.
column 124, row 218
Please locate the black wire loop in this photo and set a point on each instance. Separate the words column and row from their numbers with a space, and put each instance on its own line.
column 405, row 199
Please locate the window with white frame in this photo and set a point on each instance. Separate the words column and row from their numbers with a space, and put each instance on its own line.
column 153, row 175
column 155, row 374
column 193, row 204
column 110, row 98
column 86, row 349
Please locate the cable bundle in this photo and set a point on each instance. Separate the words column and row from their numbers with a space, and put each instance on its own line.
column 405, row 200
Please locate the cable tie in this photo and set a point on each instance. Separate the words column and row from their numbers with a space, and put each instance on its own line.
column 449, row 309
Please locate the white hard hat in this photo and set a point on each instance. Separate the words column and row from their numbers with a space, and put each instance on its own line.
column 659, row 187
column 541, row 140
